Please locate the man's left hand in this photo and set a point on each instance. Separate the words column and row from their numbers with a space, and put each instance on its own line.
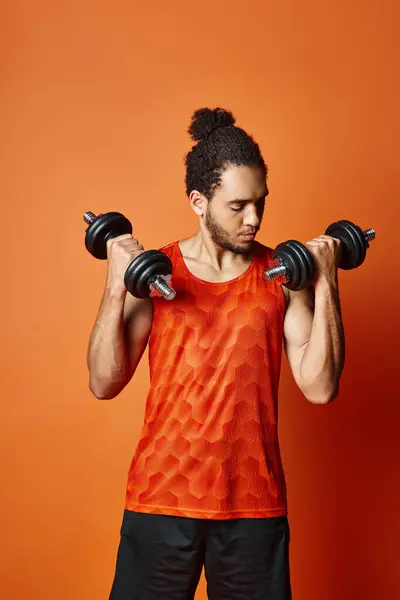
column 326, row 253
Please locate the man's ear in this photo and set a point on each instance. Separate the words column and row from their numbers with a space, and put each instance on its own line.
column 198, row 202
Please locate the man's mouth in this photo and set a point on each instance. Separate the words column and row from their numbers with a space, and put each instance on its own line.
column 248, row 236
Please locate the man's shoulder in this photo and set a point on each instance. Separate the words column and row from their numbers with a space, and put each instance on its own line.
column 169, row 248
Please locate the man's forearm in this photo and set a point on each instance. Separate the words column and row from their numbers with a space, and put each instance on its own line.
column 107, row 356
column 323, row 358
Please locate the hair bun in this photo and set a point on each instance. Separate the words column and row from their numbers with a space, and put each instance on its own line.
column 207, row 120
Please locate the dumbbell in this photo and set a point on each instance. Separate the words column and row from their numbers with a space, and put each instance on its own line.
column 354, row 243
column 296, row 264
column 148, row 274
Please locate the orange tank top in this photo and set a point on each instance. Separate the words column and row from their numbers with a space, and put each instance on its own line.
column 209, row 444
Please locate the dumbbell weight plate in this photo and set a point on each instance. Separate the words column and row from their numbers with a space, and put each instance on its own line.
column 353, row 243
column 143, row 269
column 104, row 228
column 299, row 264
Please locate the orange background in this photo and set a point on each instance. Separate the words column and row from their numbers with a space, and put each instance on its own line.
column 96, row 98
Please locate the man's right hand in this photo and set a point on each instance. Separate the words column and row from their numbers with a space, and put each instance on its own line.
column 121, row 251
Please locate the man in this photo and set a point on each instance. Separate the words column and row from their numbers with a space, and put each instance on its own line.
column 206, row 485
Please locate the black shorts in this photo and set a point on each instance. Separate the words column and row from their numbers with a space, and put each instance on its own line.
column 161, row 558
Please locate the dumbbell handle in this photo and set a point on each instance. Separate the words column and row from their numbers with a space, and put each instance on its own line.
column 280, row 270
column 159, row 285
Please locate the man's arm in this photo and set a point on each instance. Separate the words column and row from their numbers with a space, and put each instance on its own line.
column 122, row 328
column 117, row 342
column 313, row 328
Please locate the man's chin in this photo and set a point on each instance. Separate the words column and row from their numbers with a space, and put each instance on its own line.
column 243, row 246
column 249, row 242
column 238, row 245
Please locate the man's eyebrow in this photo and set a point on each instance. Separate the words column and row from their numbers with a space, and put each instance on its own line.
column 243, row 201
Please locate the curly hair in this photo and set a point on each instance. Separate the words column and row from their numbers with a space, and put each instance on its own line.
column 220, row 144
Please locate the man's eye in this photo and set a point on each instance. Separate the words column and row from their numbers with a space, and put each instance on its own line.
column 236, row 209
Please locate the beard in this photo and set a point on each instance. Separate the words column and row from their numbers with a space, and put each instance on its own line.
column 221, row 237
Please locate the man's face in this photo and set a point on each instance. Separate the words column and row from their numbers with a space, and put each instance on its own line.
column 235, row 212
